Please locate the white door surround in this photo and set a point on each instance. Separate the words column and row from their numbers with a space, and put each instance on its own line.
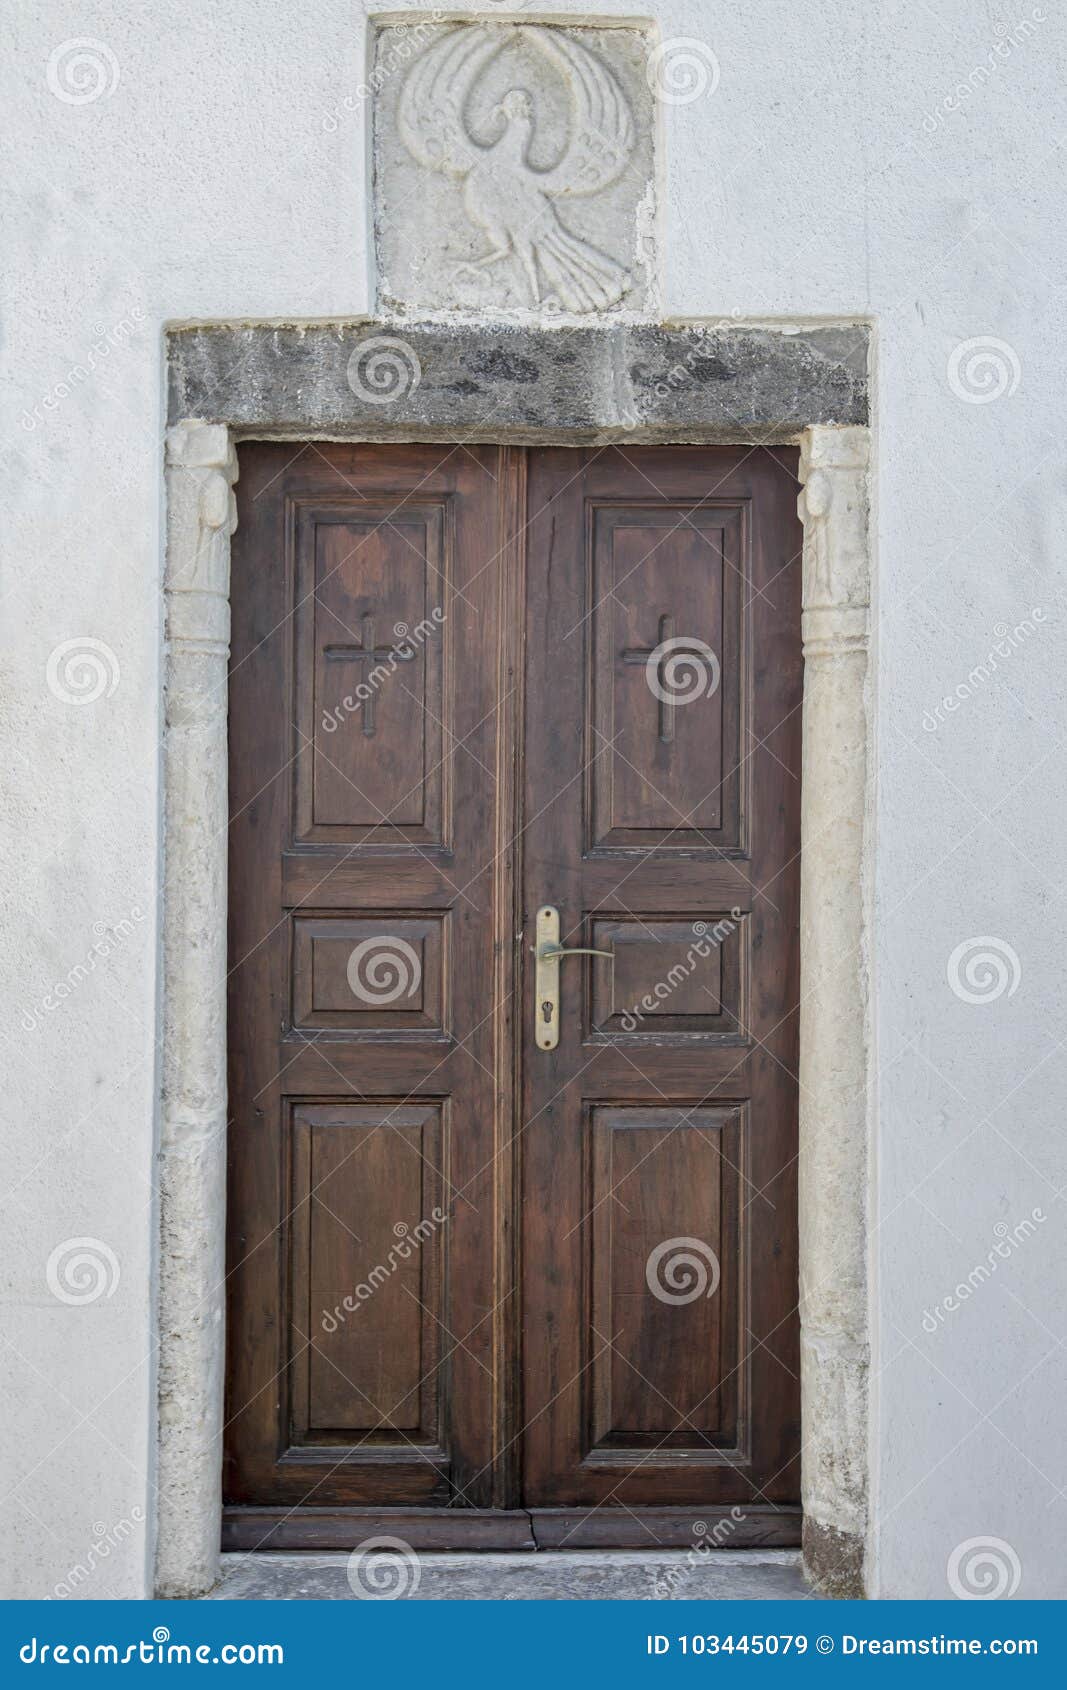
column 737, row 383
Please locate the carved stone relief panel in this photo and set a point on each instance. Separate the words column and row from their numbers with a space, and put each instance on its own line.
column 513, row 169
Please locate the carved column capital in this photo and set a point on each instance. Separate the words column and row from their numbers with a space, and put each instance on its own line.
column 201, row 516
column 833, row 507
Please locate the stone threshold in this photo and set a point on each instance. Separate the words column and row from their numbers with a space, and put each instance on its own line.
column 583, row 1575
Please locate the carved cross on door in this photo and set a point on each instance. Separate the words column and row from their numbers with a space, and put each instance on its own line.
column 364, row 654
column 663, row 690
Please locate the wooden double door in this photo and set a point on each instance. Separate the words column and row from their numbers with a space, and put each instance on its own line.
column 483, row 1292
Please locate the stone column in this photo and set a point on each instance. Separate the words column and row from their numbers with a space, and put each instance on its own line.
column 833, row 1017
column 201, row 514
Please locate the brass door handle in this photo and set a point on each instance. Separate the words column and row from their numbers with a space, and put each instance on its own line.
column 548, row 953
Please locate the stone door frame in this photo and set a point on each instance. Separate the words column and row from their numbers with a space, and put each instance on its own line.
column 732, row 383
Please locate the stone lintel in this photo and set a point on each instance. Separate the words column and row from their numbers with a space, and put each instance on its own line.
column 383, row 380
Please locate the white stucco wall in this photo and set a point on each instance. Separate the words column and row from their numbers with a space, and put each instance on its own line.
column 222, row 177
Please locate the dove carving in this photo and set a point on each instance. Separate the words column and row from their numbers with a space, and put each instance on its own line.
column 513, row 202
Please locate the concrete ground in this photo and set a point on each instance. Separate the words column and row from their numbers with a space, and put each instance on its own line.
column 591, row 1575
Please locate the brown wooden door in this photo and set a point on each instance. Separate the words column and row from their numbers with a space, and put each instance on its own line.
column 659, row 1138
column 369, row 1078
column 461, row 1267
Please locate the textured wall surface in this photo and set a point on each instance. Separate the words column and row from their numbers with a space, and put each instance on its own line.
column 897, row 162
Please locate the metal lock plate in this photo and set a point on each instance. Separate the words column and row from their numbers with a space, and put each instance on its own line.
column 546, row 978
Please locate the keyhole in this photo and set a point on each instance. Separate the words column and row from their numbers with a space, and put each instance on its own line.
column 546, row 1010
